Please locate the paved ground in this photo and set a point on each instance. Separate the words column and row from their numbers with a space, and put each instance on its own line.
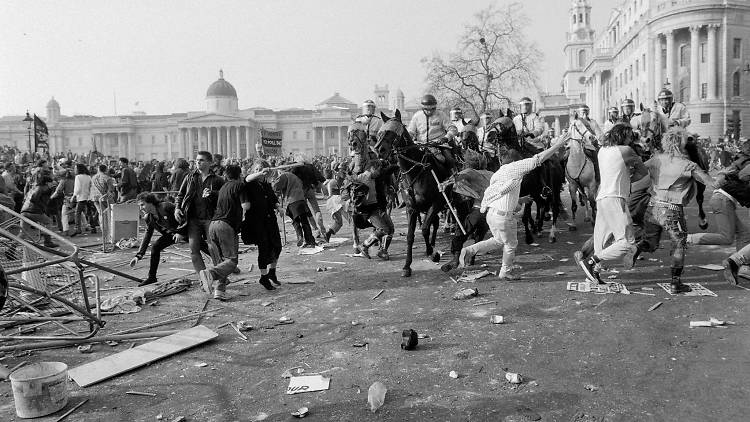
column 647, row 366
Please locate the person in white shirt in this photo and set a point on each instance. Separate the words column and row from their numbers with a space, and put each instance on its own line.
column 82, row 198
column 501, row 199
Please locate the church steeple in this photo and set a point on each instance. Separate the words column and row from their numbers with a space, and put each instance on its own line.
column 580, row 19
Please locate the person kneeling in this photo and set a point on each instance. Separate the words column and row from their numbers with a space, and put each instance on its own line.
column 159, row 215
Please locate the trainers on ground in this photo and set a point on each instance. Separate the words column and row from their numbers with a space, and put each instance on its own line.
column 588, row 267
column 219, row 295
column 206, row 279
column 366, row 252
column 508, row 275
column 731, row 269
column 265, row 282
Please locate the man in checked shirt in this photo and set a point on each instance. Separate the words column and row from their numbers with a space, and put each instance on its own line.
column 501, row 199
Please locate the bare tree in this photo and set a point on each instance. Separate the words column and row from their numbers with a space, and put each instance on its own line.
column 493, row 60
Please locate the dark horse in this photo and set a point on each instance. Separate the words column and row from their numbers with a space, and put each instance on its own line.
column 416, row 163
column 542, row 184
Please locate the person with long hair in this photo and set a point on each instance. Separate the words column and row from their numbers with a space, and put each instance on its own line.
column 82, row 198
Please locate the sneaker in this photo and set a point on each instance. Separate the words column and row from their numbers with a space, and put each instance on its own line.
column 679, row 287
column 329, row 233
column 628, row 260
column 465, row 257
column 206, row 279
column 366, row 252
column 383, row 254
column 219, row 295
column 508, row 275
column 731, row 270
column 147, row 281
column 265, row 282
column 272, row 277
column 300, row 242
column 587, row 266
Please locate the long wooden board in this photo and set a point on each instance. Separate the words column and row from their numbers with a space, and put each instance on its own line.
column 119, row 363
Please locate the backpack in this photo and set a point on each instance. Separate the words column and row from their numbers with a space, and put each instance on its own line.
column 358, row 194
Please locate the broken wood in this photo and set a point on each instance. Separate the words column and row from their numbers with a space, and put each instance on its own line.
column 52, row 344
column 654, row 306
column 200, row 316
column 379, row 293
column 65, row 415
column 165, row 322
column 140, row 393
column 485, row 303
column 244, row 337
column 127, row 360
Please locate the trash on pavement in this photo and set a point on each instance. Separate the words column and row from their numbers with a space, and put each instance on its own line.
column 453, row 374
column 285, row 320
column 588, row 287
column 292, row 372
column 360, row 344
column 696, row 290
column 711, row 267
column 310, row 251
column 244, row 325
column 200, row 364
column 378, row 294
column 712, row 322
column 409, row 339
column 513, row 377
column 465, row 294
column 301, row 412
column 376, row 395
column 497, row 319
column 591, row 387
column 85, row 348
column 654, row 306
column 307, row 384
column 472, row 276
column 120, row 305
column 140, row 393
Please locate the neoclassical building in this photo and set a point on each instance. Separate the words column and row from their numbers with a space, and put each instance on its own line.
column 699, row 49
column 221, row 128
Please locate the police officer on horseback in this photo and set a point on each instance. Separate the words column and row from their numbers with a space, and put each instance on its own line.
column 586, row 131
column 528, row 126
column 676, row 113
column 613, row 117
column 369, row 119
column 457, row 118
column 628, row 110
column 431, row 126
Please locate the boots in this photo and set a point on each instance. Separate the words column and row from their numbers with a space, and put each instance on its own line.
column 383, row 252
column 266, row 282
column 328, row 235
column 272, row 276
column 366, row 246
column 676, row 286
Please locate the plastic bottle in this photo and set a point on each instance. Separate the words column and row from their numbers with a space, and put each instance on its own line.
column 376, row 395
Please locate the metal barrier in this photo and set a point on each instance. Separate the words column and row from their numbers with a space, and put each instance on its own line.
column 45, row 288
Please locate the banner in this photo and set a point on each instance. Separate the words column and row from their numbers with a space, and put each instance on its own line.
column 271, row 141
column 41, row 135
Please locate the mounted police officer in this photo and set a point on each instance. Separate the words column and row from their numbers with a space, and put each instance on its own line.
column 613, row 117
column 628, row 110
column 586, row 131
column 457, row 118
column 677, row 113
column 369, row 120
column 431, row 125
column 528, row 125
column 370, row 124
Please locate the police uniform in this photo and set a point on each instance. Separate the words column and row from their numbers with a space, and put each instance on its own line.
column 418, row 126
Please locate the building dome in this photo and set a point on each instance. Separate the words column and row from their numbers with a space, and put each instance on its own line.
column 221, row 88
column 53, row 103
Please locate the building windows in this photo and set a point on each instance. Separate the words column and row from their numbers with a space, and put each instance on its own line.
column 705, row 117
column 643, row 63
column 684, row 55
column 704, row 91
column 737, row 48
column 294, row 134
column 307, row 135
column 631, row 72
column 636, row 67
column 581, row 58
column 626, row 76
column 574, row 19
column 703, row 52
column 736, row 84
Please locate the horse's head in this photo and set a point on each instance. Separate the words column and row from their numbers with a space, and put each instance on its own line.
column 503, row 135
column 357, row 137
column 651, row 125
column 392, row 136
column 468, row 134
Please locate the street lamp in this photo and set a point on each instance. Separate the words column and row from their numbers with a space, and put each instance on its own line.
column 29, row 121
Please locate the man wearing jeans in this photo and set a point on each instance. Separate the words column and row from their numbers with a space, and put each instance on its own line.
column 195, row 204
column 222, row 234
column 500, row 202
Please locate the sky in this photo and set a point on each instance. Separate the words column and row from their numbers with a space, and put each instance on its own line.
column 159, row 57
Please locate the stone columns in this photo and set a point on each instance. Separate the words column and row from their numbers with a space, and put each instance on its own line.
column 671, row 74
column 131, row 146
column 658, row 64
column 596, row 106
column 237, row 141
column 711, row 68
column 247, row 141
column 557, row 126
column 202, row 139
column 695, row 83
column 341, row 143
column 315, row 140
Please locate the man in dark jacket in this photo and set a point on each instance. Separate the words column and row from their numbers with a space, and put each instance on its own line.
column 195, row 205
column 160, row 217
column 128, row 181
column 311, row 179
column 260, row 226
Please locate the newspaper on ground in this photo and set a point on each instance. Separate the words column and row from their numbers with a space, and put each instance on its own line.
column 471, row 276
column 606, row 288
column 696, row 290
column 307, row 383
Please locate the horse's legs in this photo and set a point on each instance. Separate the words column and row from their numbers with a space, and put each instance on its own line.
column 541, row 210
column 411, row 216
column 699, row 199
column 431, row 220
column 355, row 237
column 573, row 192
column 555, row 202
column 526, row 221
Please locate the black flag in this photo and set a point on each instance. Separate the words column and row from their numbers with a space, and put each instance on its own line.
column 41, row 135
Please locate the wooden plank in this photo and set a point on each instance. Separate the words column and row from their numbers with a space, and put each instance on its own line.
column 119, row 363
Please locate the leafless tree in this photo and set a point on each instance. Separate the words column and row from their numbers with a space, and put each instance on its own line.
column 492, row 61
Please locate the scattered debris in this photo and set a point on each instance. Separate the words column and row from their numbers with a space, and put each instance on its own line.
column 654, row 306
column 465, row 294
column 307, row 384
column 379, row 293
column 536, row 245
column 586, row 287
column 513, row 377
column 497, row 319
column 301, row 412
column 140, row 393
column 244, row 325
column 112, row 343
column 119, row 363
column 360, row 344
column 696, row 290
column 354, row 255
column 421, row 336
column 73, row 409
column 376, row 395
column 293, row 372
column 612, row 277
column 239, row 333
column 453, row 374
column 487, row 302
column 648, row 289
column 310, row 251
column 200, row 364
column 264, row 304
column 711, row 267
column 85, row 348
column 332, row 262
column 591, row 387
column 560, row 273
column 643, row 293
column 564, row 259
column 285, row 320
column 409, row 339
column 472, row 276
column 712, row 322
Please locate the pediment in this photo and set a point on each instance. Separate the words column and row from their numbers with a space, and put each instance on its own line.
column 213, row 118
